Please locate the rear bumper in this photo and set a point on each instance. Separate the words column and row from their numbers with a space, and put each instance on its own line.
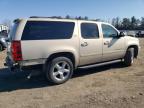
column 11, row 65
column 15, row 67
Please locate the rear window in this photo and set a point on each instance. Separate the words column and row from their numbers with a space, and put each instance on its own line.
column 13, row 31
column 40, row 30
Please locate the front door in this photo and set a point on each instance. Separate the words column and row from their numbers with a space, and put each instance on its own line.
column 113, row 45
column 90, row 43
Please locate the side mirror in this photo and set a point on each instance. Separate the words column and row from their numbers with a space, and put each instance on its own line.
column 121, row 34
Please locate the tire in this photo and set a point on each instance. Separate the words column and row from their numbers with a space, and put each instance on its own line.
column 129, row 57
column 59, row 70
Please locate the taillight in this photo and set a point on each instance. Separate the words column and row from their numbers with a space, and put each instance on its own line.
column 16, row 50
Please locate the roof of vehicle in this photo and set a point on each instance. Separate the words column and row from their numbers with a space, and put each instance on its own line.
column 36, row 18
column 60, row 18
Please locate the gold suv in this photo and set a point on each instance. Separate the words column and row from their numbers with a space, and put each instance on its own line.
column 62, row 45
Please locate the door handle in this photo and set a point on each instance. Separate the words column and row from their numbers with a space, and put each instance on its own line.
column 84, row 44
column 106, row 43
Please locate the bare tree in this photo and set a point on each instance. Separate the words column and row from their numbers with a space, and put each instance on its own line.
column 86, row 18
column 142, row 23
column 67, row 17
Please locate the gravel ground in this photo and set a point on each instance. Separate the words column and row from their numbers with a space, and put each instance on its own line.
column 111, row 86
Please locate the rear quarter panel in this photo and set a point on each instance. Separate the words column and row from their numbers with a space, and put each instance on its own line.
column 42, row 49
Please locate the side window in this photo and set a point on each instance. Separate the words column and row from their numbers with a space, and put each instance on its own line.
column 108, row 31
column 89, row 31
column 42, row 30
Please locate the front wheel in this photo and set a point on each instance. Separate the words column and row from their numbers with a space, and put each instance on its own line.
column 59, row 70
column 129, row 57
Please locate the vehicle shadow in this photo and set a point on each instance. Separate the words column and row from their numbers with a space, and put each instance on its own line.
column 15, row 81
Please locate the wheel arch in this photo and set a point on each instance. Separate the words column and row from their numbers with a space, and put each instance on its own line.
column 135, row 50
column 69, row 55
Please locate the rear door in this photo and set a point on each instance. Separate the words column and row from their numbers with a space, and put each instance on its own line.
column 90, row 43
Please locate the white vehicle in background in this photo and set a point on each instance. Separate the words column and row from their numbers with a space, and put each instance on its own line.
column 3, row 40
column 3, row 37
column 4, row 28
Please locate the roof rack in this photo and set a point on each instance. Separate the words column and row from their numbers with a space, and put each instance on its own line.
column 58, row 17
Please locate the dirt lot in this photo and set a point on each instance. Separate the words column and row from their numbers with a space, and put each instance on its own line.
column 111, row 86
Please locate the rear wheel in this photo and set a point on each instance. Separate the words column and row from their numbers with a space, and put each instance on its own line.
column 59, row 70
column 129, row 57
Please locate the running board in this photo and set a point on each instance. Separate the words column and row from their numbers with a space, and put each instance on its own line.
column 99, row 64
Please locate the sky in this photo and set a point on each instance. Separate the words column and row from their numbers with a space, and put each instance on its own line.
column 94, row 9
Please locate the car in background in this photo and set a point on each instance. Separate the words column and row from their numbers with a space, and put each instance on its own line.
column 3, row 40
column 140, row 34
